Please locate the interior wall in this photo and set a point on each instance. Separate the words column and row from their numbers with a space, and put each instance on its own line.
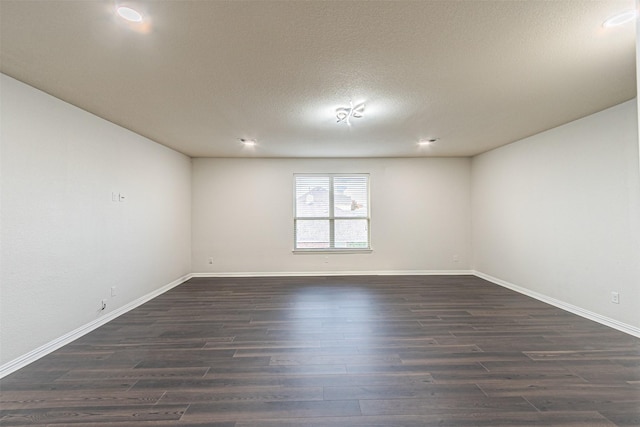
column 243, row 215
column 559, row 213
column 65, row 243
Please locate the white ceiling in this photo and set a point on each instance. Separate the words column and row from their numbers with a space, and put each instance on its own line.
column 199, row 75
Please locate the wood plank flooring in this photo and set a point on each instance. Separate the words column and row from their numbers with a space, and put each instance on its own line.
column 335, row 351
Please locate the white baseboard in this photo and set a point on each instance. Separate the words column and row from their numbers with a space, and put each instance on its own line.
column 337, row 273
column 603, row 320
column 51, row 346
column 33, row 355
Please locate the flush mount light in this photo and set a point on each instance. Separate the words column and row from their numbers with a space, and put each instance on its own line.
column 621, row 18
column 344, row 114
column 129, row 14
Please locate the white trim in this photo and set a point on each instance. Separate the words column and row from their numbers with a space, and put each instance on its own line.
column 603, row 320
column 331, row 218
column 51, row 346
column 332, row 251
column 337, row 273
column 55, row 344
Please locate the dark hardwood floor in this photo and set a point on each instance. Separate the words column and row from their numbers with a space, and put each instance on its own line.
column 335, row 351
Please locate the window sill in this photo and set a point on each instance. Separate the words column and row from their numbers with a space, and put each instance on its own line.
column 332, row 251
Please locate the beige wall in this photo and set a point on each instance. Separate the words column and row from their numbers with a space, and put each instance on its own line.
column 243, row 215
column 64, row 242
column 558, row 214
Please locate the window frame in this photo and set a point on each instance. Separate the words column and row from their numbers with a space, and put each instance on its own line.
column 332, row 218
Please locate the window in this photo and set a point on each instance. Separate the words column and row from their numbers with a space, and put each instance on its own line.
column 331, row 212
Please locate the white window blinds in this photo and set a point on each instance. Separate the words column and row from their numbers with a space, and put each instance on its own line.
column 331, row 212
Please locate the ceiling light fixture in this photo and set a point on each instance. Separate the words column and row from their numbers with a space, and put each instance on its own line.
column 425, row 142
column 621, row 18
column 248, row 142
column 345, row 114
column 129, row 14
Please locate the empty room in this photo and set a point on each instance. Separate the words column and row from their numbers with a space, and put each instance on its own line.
column 319, row 213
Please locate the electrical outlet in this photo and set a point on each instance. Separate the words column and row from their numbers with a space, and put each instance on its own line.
column 113, row 291
column 615, row 297
column 456, row 258
column 210, row 260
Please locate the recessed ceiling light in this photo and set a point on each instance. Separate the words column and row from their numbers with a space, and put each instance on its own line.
column 129, row 14
column 425, row 142
column 621, row 18
column 248, row 142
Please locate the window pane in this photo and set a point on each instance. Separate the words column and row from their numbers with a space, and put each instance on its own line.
column 312, row 196
column 351, row 233
column 350, row 196
column 312, row 234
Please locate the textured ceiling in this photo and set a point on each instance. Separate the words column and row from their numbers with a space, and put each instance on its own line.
column 199, row 75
